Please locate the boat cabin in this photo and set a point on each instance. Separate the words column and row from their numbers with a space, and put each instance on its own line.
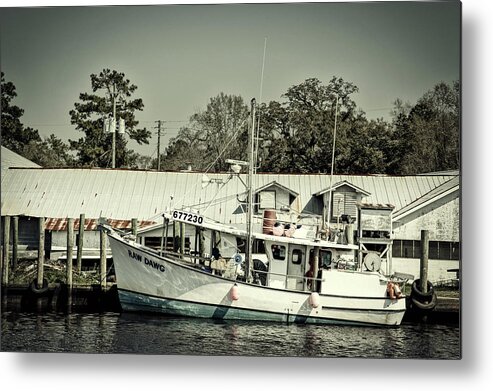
column 292, row 266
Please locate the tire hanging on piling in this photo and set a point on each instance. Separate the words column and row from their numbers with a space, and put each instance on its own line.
column 39, row 291
column 424, row 301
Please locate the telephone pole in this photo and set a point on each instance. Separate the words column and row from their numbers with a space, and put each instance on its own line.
column 158, row 144
column 113, row 145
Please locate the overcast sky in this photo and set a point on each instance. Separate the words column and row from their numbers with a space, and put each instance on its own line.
column 179, row 56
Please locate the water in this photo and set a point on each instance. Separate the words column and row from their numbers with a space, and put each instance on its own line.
column 111, row 332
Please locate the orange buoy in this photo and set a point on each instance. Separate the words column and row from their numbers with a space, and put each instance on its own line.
column 233, row 293
column 269, row 221
column 314, row 300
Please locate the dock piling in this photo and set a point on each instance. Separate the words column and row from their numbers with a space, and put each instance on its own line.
column 41, row 252
column 102, row 252
column 70, row 248
column 15, row 241
column 423, row 264
column 80, row 241
column 6, row 255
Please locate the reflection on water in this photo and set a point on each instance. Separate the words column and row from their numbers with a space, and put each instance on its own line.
column 147, row 334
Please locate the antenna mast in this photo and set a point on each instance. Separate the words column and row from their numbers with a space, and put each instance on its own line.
column 251, row 144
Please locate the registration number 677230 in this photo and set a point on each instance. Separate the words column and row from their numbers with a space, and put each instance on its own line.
column 187, row 217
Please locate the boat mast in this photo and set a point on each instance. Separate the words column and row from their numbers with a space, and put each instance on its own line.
column 332, row 167
column 249, row 244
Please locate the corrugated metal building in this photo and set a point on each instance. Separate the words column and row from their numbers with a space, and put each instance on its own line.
column 125, row 194
column 421, row 201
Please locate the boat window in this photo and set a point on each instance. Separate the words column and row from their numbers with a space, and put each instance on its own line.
column 326, row 258
column 297, row 256
column 278, row 252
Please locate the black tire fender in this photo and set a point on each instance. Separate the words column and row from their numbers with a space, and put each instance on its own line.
column 425, row 306
column 34, row 287
column 418, row 293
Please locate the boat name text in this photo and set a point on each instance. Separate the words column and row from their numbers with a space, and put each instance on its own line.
column 146, row 261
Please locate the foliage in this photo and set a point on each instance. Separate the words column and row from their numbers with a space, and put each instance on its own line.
column 427, row 138
column 14, row 135
column 50, row 152
column 296, row 134
column 213, row 135
column 94, row 149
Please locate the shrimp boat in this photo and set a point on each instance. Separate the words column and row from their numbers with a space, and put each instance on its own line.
column 295, row 278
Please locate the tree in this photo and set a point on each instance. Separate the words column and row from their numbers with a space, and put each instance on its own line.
column 14, row 135
column 301, row 128
column 50, row 152
column 427, row 137
column 95, row 148
column 213, row 135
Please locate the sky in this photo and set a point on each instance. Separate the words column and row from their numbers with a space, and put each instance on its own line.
column 180, row 56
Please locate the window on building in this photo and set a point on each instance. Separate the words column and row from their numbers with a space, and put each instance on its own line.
column 455, row 250
column 437, row 249
column 267, row 199
column 433, row 250
column 344, row 203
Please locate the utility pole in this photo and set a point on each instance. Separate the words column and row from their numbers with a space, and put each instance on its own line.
column 113, row 154
column 158, row 144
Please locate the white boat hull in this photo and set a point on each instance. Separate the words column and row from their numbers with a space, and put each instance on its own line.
column 151, row 283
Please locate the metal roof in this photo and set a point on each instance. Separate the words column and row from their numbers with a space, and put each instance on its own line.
column 339, row 184
column 126, row 194
column 433, row 195
column 12, row 159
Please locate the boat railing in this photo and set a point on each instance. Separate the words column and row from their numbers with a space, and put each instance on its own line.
column 198, row 261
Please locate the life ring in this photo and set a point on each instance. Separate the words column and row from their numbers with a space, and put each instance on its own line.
column 39, row 291
column 417, row 292
column 425, row 306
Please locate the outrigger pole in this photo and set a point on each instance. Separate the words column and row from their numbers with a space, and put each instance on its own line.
column 249, row 244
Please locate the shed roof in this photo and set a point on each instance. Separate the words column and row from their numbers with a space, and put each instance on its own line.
column 433, row 195
column 11, row 159
column 126, row 194
column 339, row 184
column 275, row 184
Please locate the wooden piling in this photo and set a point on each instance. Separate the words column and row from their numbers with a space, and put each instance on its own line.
column 423, row 264
column 15, row 241
column 134, row 227
column 70, row 251
column 182, row 239
column 41, row 252
column 80, row 241
column 175, row 244
column 6, row 245
column 102, row 253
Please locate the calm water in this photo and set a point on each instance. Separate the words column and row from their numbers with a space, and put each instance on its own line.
column 131, row 333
